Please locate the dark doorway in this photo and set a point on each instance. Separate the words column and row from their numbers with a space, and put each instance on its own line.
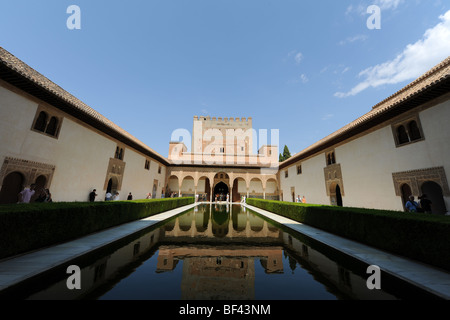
column 112, row 185
column 155, row 189
column 207, row 190
column 406, row 192
column 220, row 190
column 11, row 186
column 338, row 196
column 434, row 193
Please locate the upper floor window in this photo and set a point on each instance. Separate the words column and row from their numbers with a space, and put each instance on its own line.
column 299, row 169
column 119, row 153
column 147, row 165
column 286, row 174
column 331, row 158
column 47, row 123
column 159, row 170
column 407, row 131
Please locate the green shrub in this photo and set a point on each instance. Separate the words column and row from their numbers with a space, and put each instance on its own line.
column 417, row 236
column 25, row 227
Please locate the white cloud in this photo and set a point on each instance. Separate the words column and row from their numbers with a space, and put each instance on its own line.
column 327, row 116
column 304, row 78
column 416, row 59
column 298, row 56
column 388, row 4
column 359, row 37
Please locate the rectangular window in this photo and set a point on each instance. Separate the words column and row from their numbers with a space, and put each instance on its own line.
column 330, row 158
column 119, row 154
column 286, row 174
column 159, row 170
column 147, row 165
column 299, row 169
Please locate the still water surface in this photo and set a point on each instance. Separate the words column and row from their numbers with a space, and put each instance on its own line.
column 219, row 252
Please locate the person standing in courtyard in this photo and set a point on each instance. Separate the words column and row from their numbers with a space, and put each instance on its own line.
column 411, row 205
column 425, row 204
column 26, row 194
column 303, row 199
column 92, row 195
column 130, row 196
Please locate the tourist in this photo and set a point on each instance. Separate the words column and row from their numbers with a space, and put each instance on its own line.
column 42, row 196
column 49, row 196
column 149, row 195
column 116, row 196
column 411, row 205
column 425, row 204
column 228, row 197
column 130, row 196
column 92, row 195
column 303, row 199
column 26, row 194
column 108, row 196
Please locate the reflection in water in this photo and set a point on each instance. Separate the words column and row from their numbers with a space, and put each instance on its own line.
column 215, row 252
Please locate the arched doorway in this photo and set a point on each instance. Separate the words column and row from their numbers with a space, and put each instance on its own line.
column 173, row 186
column 338, row 196
column 112, row 185
column 11, row 186
column 221, row 190
column 406, row 192
column 435, row 195
column 239, row 189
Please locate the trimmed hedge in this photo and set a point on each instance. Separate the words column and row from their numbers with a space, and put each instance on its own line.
column 418, row 236
column 26, row 227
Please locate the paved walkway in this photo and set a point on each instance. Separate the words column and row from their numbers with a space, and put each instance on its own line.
column 17, row 269
column 424, row 276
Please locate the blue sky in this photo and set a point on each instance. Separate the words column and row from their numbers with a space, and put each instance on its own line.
column 306, row 68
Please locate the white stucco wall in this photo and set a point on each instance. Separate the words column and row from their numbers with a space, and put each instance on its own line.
column 80, row 154
column 367, row 164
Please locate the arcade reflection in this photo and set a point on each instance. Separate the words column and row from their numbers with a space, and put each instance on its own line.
column 216, row 252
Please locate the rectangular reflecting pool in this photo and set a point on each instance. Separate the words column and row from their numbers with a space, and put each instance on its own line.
column 216, row 252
